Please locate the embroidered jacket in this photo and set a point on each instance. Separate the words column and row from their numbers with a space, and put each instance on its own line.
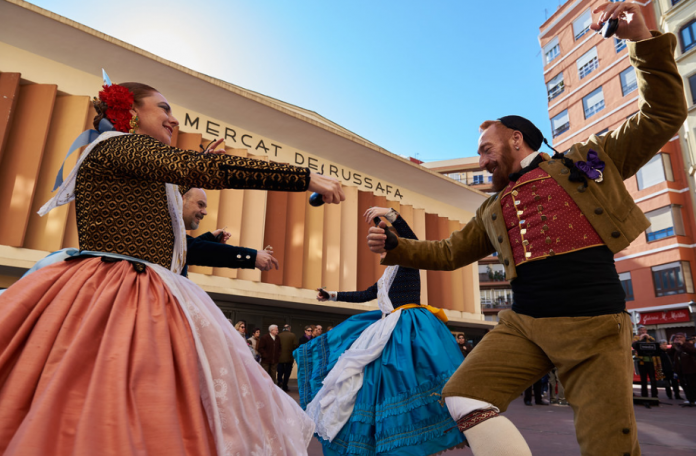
column 120, row 196
column 607, row 205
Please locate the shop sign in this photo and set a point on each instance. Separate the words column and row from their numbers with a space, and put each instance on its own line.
column 668, row 316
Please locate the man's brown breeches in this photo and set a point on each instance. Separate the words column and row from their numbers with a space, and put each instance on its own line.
column 593, row 358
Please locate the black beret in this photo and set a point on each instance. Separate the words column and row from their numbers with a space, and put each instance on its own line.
column 531, row 134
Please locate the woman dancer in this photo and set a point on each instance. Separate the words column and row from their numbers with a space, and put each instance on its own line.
column 113, row 352
column 372, row 384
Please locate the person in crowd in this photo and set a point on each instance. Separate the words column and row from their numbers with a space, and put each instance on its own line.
column 556, row 223
column 210, row 248
column 253, row 343
column 646, row 364
column 124, row 284
column 240, row 326
column 288, row 344
column 320, row 330
column 556, row 392
column 464, row 346
column 537, row 388
column 269, row 351
column 671, row 380
column 372, row 383
column 329, row 328
column 307, row 336
column 683, row 355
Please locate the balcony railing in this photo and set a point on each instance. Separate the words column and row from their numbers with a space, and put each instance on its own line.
column 594, row 109
column 556, row 90
column 582, row 32
column 495, row 277
column 561, row 129
column 661, row 234
column 488, row 304
column 552, row 54
column 589, row 67
column 628, row 88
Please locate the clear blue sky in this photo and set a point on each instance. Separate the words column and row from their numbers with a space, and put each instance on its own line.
column 414, row 77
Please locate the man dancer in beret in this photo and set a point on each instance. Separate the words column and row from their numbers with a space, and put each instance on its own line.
column 556, row 223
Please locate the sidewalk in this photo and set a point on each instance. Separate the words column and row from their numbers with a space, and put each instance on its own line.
column 667, row 430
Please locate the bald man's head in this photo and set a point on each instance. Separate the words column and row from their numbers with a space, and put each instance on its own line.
column 195, row 205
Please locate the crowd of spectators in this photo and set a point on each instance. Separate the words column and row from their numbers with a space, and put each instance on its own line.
column 673, row 363
column 273, row 350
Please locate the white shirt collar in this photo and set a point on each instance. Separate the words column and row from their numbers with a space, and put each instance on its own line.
column 526, row 161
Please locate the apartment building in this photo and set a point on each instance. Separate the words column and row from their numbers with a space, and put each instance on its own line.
column 592, row 89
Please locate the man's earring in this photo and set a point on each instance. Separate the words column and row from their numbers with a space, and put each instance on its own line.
column 133, row 124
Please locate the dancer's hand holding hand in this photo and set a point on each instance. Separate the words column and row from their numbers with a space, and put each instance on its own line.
column 376, row 238
column 328, row 187
column 631, row 23
column 265, row 261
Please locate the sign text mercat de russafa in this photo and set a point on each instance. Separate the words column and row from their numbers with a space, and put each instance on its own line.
column 272, row 150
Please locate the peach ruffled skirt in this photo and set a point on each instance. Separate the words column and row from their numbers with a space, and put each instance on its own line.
column 97, row 359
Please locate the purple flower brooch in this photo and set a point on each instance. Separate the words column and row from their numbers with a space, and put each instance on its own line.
column 593, row 167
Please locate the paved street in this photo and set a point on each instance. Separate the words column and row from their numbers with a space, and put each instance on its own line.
column 667, row 430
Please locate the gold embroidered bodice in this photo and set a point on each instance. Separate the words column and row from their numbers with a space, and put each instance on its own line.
column 121, row 200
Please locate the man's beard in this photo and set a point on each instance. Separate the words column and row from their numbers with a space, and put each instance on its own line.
column 500, row 177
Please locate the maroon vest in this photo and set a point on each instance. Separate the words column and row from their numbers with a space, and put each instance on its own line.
column 543, row 220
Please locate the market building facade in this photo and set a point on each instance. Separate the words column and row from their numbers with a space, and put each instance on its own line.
column 45, row 91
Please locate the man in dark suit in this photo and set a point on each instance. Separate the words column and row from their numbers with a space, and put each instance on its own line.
column 288, row 344
column 210, row 249
column 269, row 350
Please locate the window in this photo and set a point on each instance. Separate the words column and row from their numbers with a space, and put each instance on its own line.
column 692, row 87
column 593, row 103
column 619, row 45
column 688, row 36
column 555, row 86
column 600, row 133
column 478, row 179
column 581, row 25
column 664, row 222
column 674, row 2
column 459, row 177
column 551, row 51
column 490, row 178
column 629, row 83
column 560, row 123
column 625, row 278
column 588, row 63
column 672, row 278
column 658, row 169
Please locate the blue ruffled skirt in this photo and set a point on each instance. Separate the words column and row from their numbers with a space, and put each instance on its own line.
column 398, row 409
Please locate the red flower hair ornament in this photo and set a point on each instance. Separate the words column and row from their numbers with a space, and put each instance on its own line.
column 119, row 101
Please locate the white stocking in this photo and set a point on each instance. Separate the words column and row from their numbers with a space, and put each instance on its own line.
column 494, row 437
